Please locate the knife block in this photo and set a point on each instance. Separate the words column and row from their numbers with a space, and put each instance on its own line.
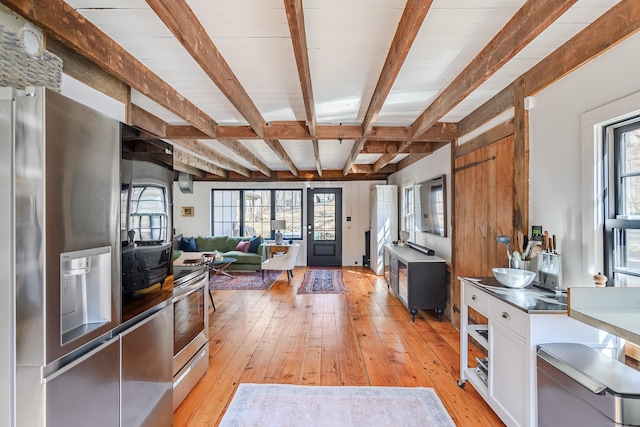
column 548, row 267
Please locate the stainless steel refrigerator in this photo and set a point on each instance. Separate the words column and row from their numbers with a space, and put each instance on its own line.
column 61, row 265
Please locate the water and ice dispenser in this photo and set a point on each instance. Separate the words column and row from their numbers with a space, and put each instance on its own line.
column 85, row 292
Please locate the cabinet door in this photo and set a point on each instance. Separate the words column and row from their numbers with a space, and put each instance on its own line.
column 507, row 372
column 393, row 272
column 387, row 267
column 403, row 282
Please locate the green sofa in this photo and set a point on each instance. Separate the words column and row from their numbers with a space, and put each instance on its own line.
column 246, row 261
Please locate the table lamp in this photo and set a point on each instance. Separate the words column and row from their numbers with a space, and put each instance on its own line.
column 277, row 225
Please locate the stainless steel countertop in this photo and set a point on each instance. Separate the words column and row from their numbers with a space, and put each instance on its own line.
column 531, row 299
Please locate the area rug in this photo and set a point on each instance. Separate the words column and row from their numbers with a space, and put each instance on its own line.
column 282, row 405
column 322, row 281
column 243, row 280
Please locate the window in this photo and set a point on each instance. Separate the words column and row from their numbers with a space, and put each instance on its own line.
column 225, row 213
column 622, row 203
column 288, row 206
column 408, row 212
column 257, row 212
column 249, row 212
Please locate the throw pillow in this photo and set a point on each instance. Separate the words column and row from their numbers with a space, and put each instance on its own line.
column 177, row 240
column 243, row 246
column 254, row 244
column 188, row 244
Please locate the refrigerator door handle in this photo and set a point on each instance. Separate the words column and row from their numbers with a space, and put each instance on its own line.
column 79, row 360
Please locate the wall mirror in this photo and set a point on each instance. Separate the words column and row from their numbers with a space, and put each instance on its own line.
column 431, row 206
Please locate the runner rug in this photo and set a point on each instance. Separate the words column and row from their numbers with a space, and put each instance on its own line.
column 322, row 281
column 243, row 280
column 283, row 405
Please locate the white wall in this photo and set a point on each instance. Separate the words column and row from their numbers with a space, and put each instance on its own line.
column 556, row 154
column 436, row 164
column 355, row 204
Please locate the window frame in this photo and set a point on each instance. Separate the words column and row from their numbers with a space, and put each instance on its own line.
column 272, row 209
column 409, row 208
column 615, row 220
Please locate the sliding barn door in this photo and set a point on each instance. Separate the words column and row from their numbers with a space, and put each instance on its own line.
column 484, row 208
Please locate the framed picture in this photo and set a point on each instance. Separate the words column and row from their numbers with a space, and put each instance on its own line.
column 187, row 211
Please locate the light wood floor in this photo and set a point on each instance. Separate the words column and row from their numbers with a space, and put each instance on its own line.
column 362, row 338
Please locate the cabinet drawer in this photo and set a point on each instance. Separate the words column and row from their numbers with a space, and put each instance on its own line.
column 476, row 299
column 510, row 317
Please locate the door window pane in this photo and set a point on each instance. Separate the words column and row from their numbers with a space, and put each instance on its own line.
column 324, row 216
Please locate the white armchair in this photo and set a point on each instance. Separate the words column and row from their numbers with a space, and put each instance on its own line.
column 284, row 262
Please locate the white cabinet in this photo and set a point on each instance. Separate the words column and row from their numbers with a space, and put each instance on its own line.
column 508, row 369
column 510, row 338
column 384, row 222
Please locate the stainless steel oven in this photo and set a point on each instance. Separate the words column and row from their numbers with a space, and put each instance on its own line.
column 190, row 329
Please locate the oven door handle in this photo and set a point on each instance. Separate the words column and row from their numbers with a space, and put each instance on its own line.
column 189, row 289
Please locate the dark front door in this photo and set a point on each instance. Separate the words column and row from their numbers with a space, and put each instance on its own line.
column 324, row 227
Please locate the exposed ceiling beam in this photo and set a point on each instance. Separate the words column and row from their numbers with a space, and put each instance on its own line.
column 316, row 153
column 441, row 131
column 408, row 27
column 185, row 26
column 144, row 120
column 187, row 132
column 242, row 151
column 181, row 167
column 367, row 170
column 497, row 105
column 277, row 148
column 361, row 172
column 385, row 159
column 63, row 23
column 527, row 23
column 88, row 72
column 391, row 147
column 203, row 150
column 295, row 15
column 185, row 158
column 355, row 150
column 620, row 22
column 148, row 122
column 412, row 158
column 409, row 160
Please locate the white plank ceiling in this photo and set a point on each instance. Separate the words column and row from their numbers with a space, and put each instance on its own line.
column 347, row 44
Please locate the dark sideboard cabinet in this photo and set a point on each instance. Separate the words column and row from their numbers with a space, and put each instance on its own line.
column 419, row 280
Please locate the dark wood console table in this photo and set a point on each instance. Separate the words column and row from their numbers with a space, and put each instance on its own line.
column 419, row 280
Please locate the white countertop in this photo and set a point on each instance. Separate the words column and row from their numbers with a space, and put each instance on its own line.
column 613, row 310
column 408, row 254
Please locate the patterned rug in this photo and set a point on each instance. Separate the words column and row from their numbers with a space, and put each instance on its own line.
column 283, row 405
column 243, row 280
column 322, row 281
